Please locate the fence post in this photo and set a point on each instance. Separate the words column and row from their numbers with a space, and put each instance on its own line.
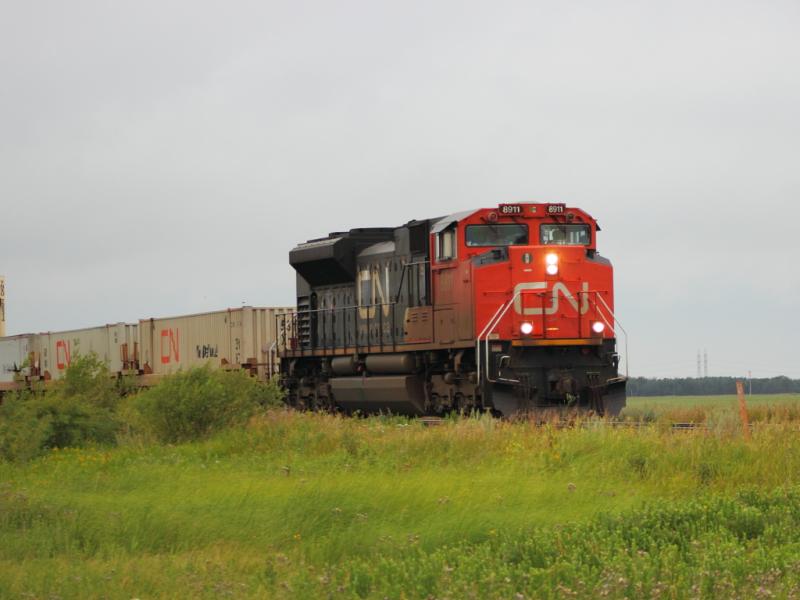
column 743, row 410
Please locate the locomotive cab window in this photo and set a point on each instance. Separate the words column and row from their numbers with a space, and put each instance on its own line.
column 446, row 244
column 557, row 234
column 506, row 234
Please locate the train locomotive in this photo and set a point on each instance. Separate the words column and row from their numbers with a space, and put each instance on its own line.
column 507, row 309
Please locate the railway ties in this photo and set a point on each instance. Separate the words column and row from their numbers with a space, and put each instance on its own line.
column 436, row 421
column 430, row 421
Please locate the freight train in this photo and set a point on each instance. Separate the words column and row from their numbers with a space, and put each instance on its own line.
column 235, row 338
column 506, row 309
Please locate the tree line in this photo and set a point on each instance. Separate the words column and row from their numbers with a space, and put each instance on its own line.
column 707, row 386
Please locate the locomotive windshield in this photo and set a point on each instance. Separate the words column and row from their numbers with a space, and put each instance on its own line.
column 507, row 234
column 566, row 235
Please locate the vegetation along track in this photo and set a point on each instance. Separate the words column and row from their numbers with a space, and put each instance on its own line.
column 300, row 505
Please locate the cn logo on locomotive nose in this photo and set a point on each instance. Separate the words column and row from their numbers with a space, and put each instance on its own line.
column 559, row 289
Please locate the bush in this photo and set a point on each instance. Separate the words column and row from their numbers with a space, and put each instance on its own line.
column 192, row 404
column 84, row 408
column 77, row 410
column 88, row 379
column 31, row 424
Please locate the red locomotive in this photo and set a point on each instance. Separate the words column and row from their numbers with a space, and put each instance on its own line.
column 505, row 309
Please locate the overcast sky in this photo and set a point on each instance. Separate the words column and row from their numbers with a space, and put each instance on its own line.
column 160, row 158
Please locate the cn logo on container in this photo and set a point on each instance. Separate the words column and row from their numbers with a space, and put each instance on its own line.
column 62, row 354
column 170, row 340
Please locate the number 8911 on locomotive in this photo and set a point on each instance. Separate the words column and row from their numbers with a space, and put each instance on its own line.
column 506, row 309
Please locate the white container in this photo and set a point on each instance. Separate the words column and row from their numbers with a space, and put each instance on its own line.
column 233, row 338
column 116, row 345
column 14, row 353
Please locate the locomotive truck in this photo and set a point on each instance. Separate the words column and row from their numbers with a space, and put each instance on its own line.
column 507, row 309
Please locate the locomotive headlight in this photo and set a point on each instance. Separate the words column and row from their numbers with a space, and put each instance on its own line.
column 598, row 327
column 526, row 328
column 552, row 264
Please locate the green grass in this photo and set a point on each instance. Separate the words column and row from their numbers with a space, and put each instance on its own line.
column 301, row 505
column 726, row 402
column 761, row 407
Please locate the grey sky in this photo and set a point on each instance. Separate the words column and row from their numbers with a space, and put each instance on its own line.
column 161, row 158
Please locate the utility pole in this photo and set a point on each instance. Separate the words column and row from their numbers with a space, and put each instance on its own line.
column 2, row 306
column 705, row 363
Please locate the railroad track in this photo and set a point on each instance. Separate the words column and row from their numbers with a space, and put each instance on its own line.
column 686, row 426
column 588, row 424
column 435, row 421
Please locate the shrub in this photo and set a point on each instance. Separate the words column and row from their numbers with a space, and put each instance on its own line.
column 31, row 424
column 88, row 379
column 192, row 404
column 76, row 410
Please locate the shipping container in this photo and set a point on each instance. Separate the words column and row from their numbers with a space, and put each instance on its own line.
column 14, row 353
column 233, row 338
column 116, row 344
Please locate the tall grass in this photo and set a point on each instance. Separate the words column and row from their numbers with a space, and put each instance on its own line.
column 300, row 505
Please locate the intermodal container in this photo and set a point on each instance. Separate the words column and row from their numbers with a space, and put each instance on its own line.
column 116, row 344
column 14, row 353
column 234, row 338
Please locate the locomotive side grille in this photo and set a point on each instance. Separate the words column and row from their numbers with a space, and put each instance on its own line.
column 303, row 322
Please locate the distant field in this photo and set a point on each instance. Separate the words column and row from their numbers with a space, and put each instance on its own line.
column 761, row 406
column 310, row 506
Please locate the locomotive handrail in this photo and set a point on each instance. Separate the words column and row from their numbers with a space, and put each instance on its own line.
column 618, row 324
column 271, row 362
column 487, row 331
column 333, row 308
column 480, row 335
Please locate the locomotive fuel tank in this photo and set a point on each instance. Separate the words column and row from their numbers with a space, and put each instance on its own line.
column 395, row 394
